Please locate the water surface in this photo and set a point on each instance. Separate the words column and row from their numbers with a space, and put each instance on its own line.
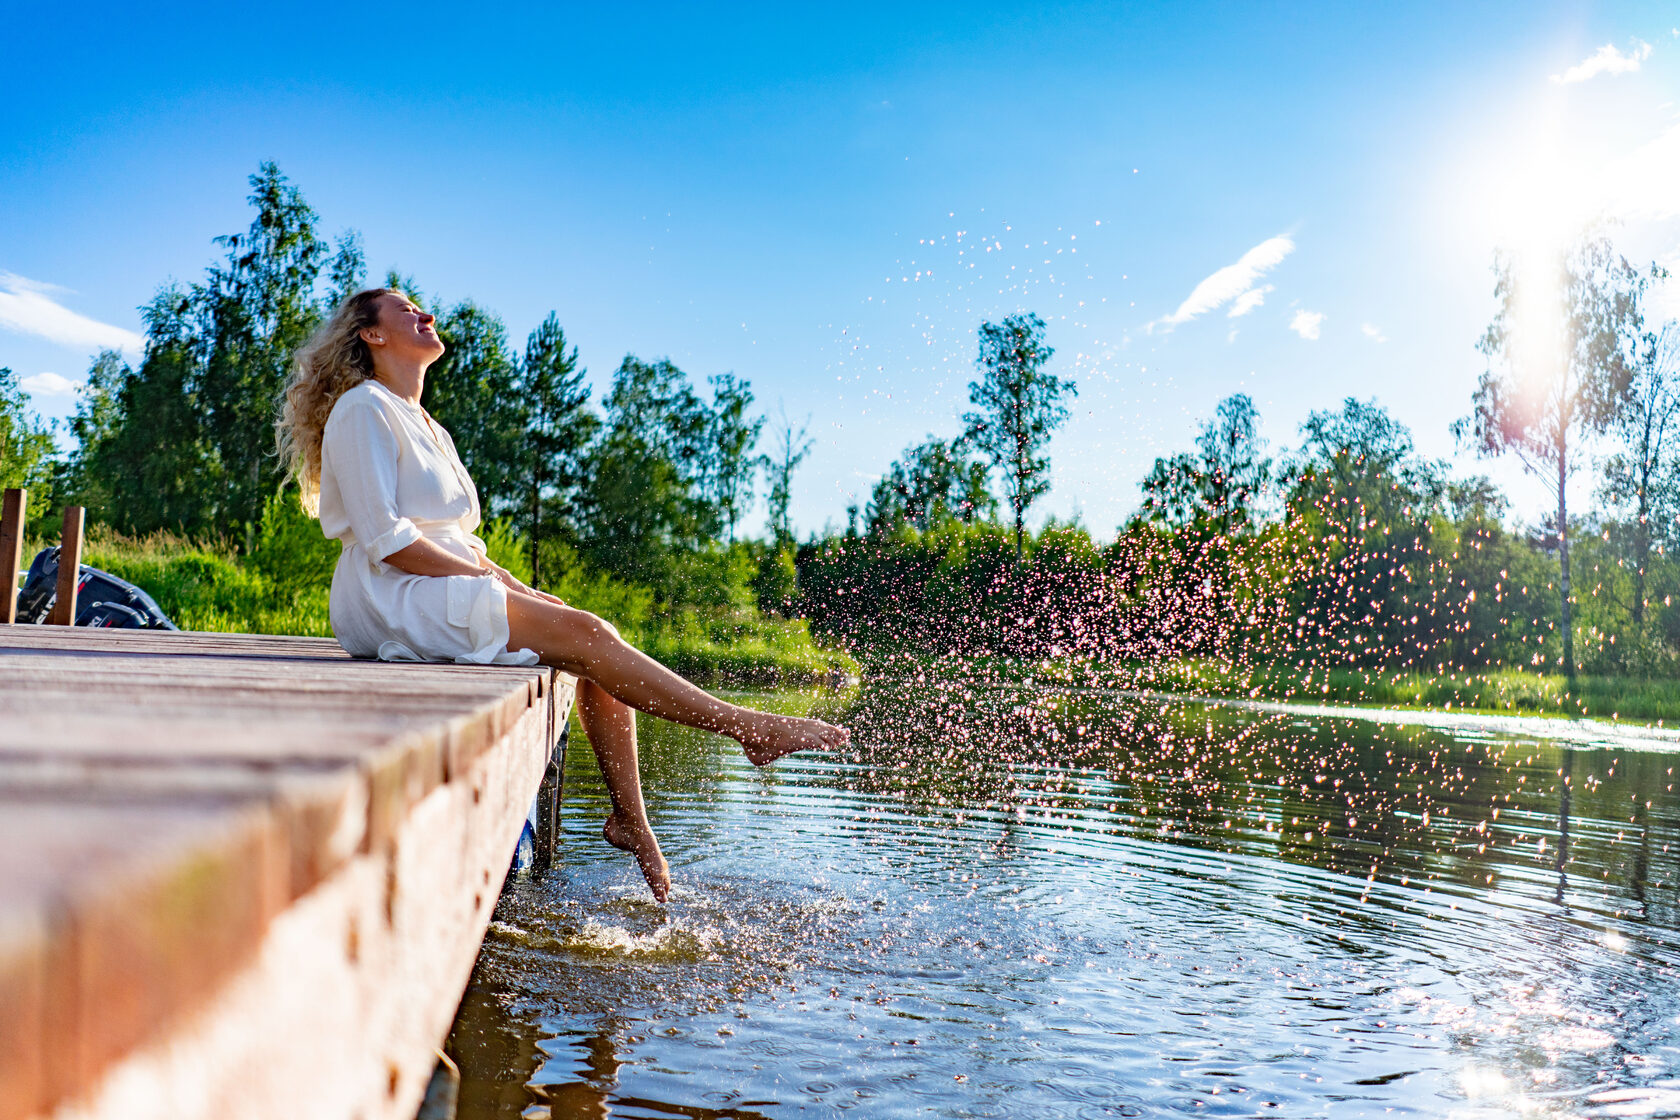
column 1029, row 904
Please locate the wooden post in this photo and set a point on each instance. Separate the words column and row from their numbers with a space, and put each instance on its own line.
column 11, row 552
column 550, row 796
column 69, row 568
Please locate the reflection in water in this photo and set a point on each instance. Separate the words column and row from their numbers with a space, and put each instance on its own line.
column 1031, row 903
column 1566, row 774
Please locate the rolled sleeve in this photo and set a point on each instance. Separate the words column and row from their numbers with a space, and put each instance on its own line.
column 399, row 537
column 361, row 449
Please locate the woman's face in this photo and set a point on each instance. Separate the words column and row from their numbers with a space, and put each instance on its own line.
column 404, row 331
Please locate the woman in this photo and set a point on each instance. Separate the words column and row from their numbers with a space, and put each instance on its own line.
column 414, row 583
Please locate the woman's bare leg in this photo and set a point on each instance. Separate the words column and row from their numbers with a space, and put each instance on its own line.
column 611, row 727
column 577, row 642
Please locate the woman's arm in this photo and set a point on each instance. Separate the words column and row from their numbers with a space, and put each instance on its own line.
column 428, row 558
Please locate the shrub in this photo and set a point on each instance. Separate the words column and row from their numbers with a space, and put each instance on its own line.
column 291, row 550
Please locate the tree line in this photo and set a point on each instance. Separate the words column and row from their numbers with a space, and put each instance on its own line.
column 1349, row 548
column 646, row 489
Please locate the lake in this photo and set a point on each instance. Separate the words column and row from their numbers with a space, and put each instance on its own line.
column 1019, row 902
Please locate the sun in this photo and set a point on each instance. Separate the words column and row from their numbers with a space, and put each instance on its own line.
column 1536, row 197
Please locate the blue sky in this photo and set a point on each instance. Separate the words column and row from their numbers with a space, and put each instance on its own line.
column 828, row 204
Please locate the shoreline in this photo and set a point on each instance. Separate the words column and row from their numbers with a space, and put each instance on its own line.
column 1575, row 731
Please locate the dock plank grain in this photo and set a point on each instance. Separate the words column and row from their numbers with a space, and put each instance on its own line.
column 192, row 825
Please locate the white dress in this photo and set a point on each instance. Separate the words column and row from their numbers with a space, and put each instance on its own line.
column 389, row 477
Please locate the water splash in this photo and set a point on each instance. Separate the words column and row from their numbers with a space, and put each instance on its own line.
column 1089, row 904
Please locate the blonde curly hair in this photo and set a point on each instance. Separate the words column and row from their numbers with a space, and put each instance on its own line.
column 335, row 360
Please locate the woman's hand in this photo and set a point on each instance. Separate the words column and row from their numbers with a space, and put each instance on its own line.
column 512, row 582
column 503, row 576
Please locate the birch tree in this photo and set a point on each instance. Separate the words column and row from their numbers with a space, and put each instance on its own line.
column 1561, row 361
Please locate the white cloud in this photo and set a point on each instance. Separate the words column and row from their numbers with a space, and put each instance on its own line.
column 1606, row 60
column 1248, row 301
column 1370, row 331
column 1233, row 282
column 49, row 385
column 25, row 307
column 1307, row 323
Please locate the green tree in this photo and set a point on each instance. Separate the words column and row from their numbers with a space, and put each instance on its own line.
column 929, row 484
column 1364, row 505
column 1560, row 367
column 95, row 424
column 641, row 506
column 1502, row 608
column 253, row 312
column 474, row 392
column 28, row 454
column 792, row 447
column 727, row 462
column 776, row 582
column 558, row 428
column 144, row 460
column 1018, row 407
column 1359, row 474
column 291, row 552
column 1172, row 491
column 1237, row 469
column 1642, row 479
column 1216, row 488
column 346, row 273
column 185, row 441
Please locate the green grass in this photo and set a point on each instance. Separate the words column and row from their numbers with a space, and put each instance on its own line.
column 1497, row 691
column 751, row 653
column 204, row 587
column 208, row 587
column 1503, row 691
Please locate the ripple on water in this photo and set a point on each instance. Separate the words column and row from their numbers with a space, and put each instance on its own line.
column 1309, row 923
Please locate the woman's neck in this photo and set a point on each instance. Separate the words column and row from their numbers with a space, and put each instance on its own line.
column 406, row 381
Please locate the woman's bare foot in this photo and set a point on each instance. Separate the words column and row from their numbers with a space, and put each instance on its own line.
column 641, row 843
column 768, row 737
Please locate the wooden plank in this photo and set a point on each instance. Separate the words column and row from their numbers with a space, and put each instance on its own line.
column 338, row 1012
column 188, row 668
column 24, row 944
column 116, row 692
column 207, row 724
column 115, row 739
column 177, row 814
column 320, row 809
column 245, row 648
column 147, row 908
column 399, row 762
column 69, row 568
column 124, row 642
column 12, row 510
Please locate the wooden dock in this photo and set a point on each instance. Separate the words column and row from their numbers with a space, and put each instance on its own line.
column 246, row 876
